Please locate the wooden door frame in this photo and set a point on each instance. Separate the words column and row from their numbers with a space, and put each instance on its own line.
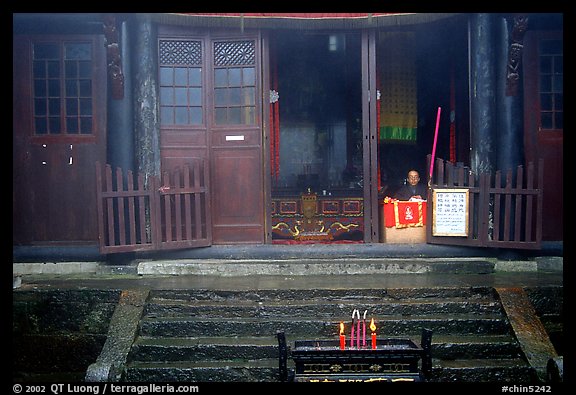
column 217, row 145
column 266, row 168
column 221, row 231
column 370, row 137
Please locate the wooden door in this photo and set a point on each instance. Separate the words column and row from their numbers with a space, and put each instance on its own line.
column 543, row 122
column 59, row 88
column 184, row 139
column 210, row 109
column 236, row 140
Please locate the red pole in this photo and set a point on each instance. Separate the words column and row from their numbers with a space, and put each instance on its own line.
column 452, row 117
column 434, row 146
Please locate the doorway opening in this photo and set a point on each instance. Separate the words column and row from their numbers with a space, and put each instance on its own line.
column 316, row 137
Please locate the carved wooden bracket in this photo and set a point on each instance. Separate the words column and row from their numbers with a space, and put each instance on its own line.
column 113, row 56
column 515, row 54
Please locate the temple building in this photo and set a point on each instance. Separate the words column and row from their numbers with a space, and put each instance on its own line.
column 272, row 128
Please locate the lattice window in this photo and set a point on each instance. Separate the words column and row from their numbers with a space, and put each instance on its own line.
column 551, row 84
column 178, row 52
column 234, row 82
column 181, row 87
column 63, row 74
column 234, row 53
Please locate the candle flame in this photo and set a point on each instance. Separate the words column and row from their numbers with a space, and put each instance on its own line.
column 341, row 328
column 372, row 325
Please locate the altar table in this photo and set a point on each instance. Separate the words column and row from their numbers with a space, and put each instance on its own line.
column 403, row 221
column 392, row 360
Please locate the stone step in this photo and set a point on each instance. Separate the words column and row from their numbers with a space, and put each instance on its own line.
column 198, row 349
column 266, row 370
column 504, row 370
column 344, row 293
column 230, row 335
column 312, row 328
column 453, row 347
column 251, row 348
column 334, row 264
column 321, row 304
column 320, row 308
column 261, row 370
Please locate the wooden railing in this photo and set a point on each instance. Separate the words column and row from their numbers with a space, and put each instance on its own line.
column 134, row 215
column 504, row 211
column 174, row 211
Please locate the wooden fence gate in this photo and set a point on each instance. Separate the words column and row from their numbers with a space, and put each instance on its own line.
column 167, row 213
column 174, row 211
column 504, row 214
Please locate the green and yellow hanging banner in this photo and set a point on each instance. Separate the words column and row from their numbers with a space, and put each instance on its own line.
column 398, row 87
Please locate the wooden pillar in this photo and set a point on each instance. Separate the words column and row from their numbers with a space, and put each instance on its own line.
column 509, row 104
column 482, row 93
column 121, row 112
column 146, row 100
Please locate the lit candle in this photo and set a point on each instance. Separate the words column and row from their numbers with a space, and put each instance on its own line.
column 342, row 337
column 364, row 329
column 373, row 329
column 358, row 330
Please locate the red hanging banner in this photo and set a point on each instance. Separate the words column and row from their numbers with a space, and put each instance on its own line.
column 274, row 120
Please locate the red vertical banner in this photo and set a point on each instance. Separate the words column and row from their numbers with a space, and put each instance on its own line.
column 274, row 117
column 277, row 135
column 272, row 142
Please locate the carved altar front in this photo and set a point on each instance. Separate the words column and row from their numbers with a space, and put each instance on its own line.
column 317, row 218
